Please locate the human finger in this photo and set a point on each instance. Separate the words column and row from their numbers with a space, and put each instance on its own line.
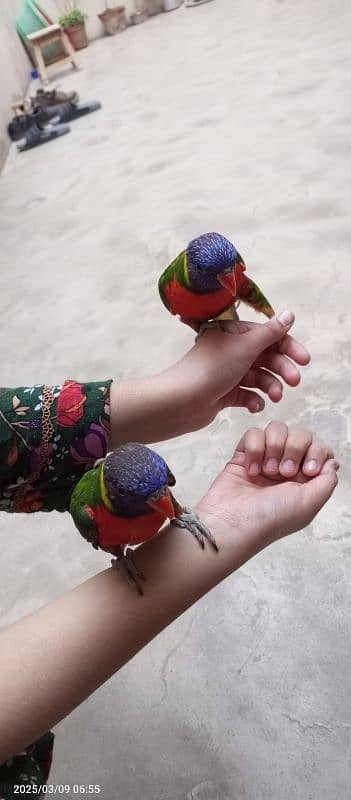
column 276, row 434
column 280, row 365
column 291, row 347
column 316, row 492
column 253, row 445
column 265, row 381
column 297, row 443
column 316, row 456
column 244, row 398
column 261, row 337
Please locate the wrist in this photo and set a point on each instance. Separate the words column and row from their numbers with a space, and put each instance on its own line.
column 146, row 410
column 236, row 538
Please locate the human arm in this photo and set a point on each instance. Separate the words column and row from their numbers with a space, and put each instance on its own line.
column 224, row 368
column 53, row 659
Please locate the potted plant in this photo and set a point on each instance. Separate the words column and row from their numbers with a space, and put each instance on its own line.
column 113, row 19
column 154, row 7
column 73, row 23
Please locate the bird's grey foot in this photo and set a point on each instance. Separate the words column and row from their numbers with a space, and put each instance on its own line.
column 126, row 563
column 189, row 520
column 205, row 326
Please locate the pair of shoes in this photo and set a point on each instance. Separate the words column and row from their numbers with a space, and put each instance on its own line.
column 63, row 105
column 47, row 120
column 30, row 130
column 67, row 112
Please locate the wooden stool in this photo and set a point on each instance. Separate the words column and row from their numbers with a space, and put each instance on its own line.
column 45, row 36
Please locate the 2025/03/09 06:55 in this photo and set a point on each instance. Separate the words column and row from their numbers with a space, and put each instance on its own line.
column 59, row 788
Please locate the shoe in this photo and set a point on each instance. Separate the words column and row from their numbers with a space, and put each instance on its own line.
column 67, row 112
column 53, row 98
column 42, row 116
column 192, row 3
column 36, row 136
column 22, row 123
column 19, row 126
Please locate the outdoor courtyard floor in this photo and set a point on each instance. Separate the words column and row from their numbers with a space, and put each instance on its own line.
column 228, row 117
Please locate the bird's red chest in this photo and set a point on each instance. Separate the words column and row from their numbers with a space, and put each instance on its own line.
column 115, row 531
column 199, row 307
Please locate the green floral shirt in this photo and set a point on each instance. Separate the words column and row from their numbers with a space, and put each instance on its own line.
column 45, row 448
column 79, row 426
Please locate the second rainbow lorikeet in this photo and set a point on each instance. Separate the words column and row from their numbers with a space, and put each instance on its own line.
column 125, row 499
column 208, row 279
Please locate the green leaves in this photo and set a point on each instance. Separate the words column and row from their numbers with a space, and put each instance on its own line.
column 74, row 17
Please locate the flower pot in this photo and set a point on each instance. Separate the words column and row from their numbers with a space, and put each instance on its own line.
column 114, row 20
column 170, row 5
column 154, row 7
column 77, row 35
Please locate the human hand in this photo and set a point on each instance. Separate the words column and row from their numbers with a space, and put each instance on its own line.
column 276, row 482
column 227, row 366
column 224, row 368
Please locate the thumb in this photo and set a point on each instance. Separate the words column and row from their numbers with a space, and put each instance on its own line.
column 262, row 336
column 317, row 491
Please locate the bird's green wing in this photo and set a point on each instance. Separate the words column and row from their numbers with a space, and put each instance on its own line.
column 252, row 295
column 85, row 497
column 177, row 269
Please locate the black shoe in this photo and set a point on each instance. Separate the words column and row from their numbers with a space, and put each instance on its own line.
column 67, row 112
column 19, row 126
column 42, row 116
column 22, row 123
column 36, row 136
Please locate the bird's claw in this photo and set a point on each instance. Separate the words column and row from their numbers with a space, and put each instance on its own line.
column 126, row 563
column 217, row 324
column 189, row 520
column 214, row 324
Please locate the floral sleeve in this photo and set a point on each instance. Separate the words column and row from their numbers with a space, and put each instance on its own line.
column 28, row 771
column 49, row 436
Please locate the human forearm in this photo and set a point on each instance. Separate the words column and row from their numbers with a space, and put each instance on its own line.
column 147, row 410
column 52, row 660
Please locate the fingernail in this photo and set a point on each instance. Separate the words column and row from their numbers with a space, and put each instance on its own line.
column 254, row 407
column 286, row 318
column 254, row 469
column 272, row 465
column 311, row 465
column 239, row 456
column 289, row 465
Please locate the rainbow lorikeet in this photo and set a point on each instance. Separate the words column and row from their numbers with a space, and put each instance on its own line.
column 208, row 279
column 125, row 499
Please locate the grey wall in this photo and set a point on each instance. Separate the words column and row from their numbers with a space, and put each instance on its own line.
column 14, row 68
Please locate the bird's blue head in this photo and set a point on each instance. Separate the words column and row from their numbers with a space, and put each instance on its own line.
column 213, row 262
column 136, row 480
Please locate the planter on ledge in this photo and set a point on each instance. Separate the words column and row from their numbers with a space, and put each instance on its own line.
column 73, row 25
column 77, row 35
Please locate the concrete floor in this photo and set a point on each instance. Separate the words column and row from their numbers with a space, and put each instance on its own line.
column 232, row 116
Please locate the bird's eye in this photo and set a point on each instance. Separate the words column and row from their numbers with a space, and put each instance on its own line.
column 122, row 492
column 201, row 269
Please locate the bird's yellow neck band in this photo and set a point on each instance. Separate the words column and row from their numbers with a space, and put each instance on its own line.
column 186, row 270
column 104, row 495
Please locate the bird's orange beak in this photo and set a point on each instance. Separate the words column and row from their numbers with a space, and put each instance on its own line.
column 231, row 279
column 228, row 280
column 162, row 503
